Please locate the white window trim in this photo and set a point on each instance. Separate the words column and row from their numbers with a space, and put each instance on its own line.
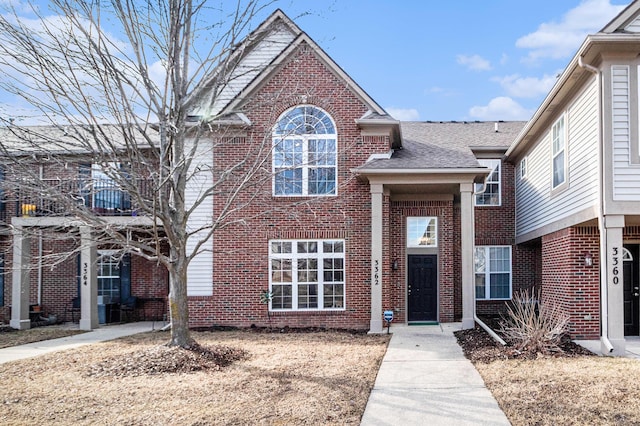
column 320, row 255
column 488, row 272
column 490, row 163
column 428, row 219
column 523, row 167
column 305, row 155
column 565, row 136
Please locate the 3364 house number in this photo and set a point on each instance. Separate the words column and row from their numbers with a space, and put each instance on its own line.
column 615, row 264
column 376, row 272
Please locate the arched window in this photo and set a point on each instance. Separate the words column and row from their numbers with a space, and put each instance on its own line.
column 305, row 153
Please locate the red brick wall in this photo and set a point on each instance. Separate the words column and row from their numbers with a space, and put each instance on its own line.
column 495, row 226
column 241, row 249
column 443, row 210
column 571, row 284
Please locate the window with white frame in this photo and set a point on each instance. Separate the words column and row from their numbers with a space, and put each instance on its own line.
column 306, row 274
column 305, row 153
column 523, row 168
column 558, row 153
column 493, row 272
column 108, row 275
column 422, row 232
column 491, row 195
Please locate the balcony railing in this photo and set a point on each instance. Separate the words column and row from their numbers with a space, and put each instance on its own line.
column 55, row 197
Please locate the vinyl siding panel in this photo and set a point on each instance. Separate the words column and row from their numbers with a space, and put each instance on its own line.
column 634, row 26
column 536, row 205
column 255, row 61
column 200, row 271
column 626, row 176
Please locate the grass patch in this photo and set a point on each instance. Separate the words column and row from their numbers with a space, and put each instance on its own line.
column 12, row 337
column 288, row 378
column 568, row 391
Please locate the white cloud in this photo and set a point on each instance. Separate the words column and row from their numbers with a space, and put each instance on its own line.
column 526, row 87
column 561, row 39
column 501, row 108
column 404, row 114
column 474, row 62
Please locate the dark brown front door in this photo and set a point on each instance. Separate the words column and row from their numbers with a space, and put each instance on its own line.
column 631, row 292
column 422, row 288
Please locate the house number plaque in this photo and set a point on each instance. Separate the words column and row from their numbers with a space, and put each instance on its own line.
column 615, row 265
column 85, row 273
column 376, row 272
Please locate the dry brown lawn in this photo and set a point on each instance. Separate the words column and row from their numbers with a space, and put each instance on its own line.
column 566, row 391
column 291, row 378
column 570, row 388
column 12, row 337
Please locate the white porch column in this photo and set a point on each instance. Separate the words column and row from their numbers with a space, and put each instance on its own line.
column 88, row 280
column 20, row 283
column 612, row 273
column 376, row 258
column 467, row 237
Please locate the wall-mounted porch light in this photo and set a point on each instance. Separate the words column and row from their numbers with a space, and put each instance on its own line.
column 588, row 259
column 394, row 265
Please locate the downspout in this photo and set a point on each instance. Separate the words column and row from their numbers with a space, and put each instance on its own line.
column 486, row 328
column 604, row 297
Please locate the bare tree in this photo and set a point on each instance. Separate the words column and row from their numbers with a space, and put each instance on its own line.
column 116, row 82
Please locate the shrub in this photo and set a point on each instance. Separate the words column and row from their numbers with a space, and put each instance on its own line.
column 534, row 326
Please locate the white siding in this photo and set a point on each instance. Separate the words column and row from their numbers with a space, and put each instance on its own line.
column 634, row 26
column 200, row 271
column 255, row 61
column 626, row 176
column 536, row 206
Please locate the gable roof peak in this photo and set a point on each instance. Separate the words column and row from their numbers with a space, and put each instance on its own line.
column 625, row 21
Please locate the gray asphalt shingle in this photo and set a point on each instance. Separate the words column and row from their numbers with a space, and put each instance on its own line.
column 446, row 145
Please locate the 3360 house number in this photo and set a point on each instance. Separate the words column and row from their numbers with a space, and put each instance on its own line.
column 615, row 264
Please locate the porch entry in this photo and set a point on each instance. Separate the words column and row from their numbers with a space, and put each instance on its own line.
column 631, row 290
column 422, row 288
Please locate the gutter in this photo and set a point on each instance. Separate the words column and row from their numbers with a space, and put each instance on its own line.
column 604, row 297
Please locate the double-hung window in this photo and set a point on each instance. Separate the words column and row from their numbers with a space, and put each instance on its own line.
column 491, row 195
column 306, row 274
column 558, row 153
column 493, row 272
column 108, row 276
column 305, row 153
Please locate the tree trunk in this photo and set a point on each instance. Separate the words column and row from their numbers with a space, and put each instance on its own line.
column 178, row 304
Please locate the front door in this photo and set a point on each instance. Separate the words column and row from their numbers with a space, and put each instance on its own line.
column 631, row 290
column 422, row 288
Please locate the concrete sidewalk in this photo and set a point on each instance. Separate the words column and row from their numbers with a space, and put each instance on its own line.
column 424, row 379
column 104, row 333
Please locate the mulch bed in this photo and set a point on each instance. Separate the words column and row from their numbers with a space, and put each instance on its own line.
column 479, row 346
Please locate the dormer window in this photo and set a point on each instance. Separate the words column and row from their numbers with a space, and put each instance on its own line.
column 305, row 153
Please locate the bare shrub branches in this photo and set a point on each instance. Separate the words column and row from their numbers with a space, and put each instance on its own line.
column 533, row 325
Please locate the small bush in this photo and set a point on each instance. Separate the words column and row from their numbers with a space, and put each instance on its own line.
column 534, row 326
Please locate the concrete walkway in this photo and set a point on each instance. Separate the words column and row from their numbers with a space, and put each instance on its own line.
column 425, row 379
column 104, row 333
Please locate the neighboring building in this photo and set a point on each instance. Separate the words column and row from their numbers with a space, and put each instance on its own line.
column 354, row 213
column 578, row 193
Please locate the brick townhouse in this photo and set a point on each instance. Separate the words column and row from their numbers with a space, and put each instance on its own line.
column 354, row 213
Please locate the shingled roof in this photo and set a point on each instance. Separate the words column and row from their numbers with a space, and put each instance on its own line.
column 446, row 145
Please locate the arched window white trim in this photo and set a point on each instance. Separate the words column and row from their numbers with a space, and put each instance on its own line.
column 626, row 255
column 305, row 153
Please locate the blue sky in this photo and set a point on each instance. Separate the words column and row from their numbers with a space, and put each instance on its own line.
column 431, row 60
column 453, row 60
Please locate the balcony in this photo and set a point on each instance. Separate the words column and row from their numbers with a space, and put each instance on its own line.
column 59, row 198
